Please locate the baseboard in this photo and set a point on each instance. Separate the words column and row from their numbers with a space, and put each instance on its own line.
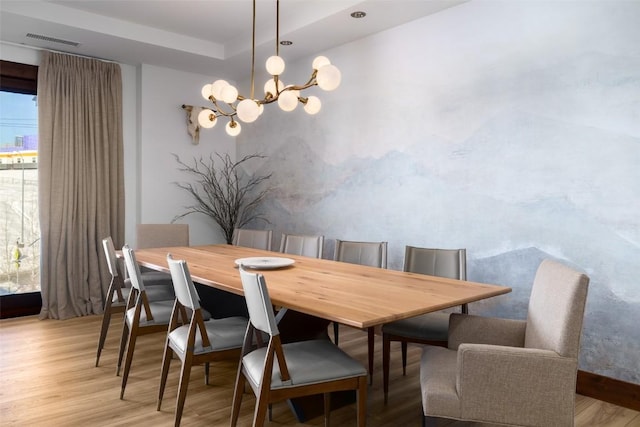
column 16, row 305
column 610, row 390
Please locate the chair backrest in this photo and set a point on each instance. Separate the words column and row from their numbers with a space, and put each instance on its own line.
column 161, row 235
column 259, row 304
column 296, row 244
column 450, row 263
column 183, row 285
column 556, row 309
column 257, row 239
column 133, row 268
column 110, row 255
column 373, row 254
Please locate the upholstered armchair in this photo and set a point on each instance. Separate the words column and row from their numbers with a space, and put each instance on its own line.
column 509, row 371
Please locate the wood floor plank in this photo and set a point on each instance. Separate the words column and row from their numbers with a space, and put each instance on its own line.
column 48, row 378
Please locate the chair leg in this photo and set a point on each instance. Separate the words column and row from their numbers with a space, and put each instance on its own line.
column 371, row 345
column 386, row 355
column 183, row 386
column 260, row 412
column 404, row 357
column 206, row 373
column 166, row 363
column 123, row 343
column 237, row 398
column 327, row 408
column 131, row 345
column 336, row 332
column 106, row 320
column 361, row 401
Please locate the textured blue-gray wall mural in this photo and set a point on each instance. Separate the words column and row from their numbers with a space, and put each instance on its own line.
column 509, row 128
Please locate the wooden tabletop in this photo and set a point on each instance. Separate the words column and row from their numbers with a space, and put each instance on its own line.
column 350, row 294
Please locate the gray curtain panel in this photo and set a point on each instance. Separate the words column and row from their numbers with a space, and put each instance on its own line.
column 81, row 179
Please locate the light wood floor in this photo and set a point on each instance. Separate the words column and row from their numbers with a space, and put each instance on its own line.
column 48, row 378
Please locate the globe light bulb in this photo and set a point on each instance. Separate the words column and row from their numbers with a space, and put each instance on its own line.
column 275, row 65
column 270, row 87
column 233, row 128
column 313, row 105
column 229, row 94
column 206, row 91
column 320, row 61
column 216, row 88
column 207, row 119
column 288, row 101
column 248, row 110
column 328, row 77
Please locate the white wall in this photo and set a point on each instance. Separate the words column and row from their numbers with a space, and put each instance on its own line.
column 163, row 132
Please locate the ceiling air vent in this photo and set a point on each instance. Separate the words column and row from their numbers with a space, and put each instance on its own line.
column 52, row 39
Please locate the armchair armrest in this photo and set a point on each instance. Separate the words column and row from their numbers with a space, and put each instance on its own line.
column 510, row 385
column 464, row 328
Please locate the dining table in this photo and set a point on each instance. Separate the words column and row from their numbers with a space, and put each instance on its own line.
column 314, row 292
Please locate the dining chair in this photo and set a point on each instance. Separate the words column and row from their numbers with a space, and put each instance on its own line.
column 296, row 244
column 430, row 328
column 161, row 235
column 159, row 287
column 373, row 254
column 142, row 316
column 258, row 239
column 192, row 339
column 278, row 371
column 511, row 372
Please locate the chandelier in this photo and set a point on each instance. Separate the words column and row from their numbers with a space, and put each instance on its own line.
column 228, row 103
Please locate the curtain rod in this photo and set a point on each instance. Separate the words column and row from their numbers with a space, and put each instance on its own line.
column 58, row 51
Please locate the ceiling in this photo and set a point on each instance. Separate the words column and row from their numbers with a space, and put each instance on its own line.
column 201, row 36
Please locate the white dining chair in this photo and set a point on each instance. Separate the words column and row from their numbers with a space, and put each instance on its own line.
column 192, row 339
column 278, row 371
column 430, row 328
column 297, row 244
column 159, row 287
column 372, row 254
column 258, row 239
column 142, row 316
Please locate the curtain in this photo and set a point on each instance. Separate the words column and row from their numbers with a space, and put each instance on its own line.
column 81, row 180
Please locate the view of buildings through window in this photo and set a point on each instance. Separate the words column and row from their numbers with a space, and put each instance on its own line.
column 19, row 223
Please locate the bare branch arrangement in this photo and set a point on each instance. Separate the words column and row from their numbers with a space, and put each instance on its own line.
column 224, row 193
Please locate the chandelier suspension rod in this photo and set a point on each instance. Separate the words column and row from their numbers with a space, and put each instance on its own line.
column 253, row 50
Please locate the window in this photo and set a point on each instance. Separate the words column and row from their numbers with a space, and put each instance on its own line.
column 19, row 220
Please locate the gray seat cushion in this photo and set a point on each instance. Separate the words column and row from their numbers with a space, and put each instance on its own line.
column 429, row 327
column 223, row 334
column 309, row 362
column 161, row 311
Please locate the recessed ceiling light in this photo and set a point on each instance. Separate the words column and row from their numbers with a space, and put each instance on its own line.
column 286, row 42
column 358, row 14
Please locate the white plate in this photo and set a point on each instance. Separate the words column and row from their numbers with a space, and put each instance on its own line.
column 265, row 262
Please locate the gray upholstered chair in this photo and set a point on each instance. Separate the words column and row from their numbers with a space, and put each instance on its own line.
column 142, row 316
column 373, row 254
column 431, row 328
column 159, row 288
column 192, row 339
column 297, row 244
column 258, row 239
column 161, row 235
column 512, row 372
column 277, row 371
